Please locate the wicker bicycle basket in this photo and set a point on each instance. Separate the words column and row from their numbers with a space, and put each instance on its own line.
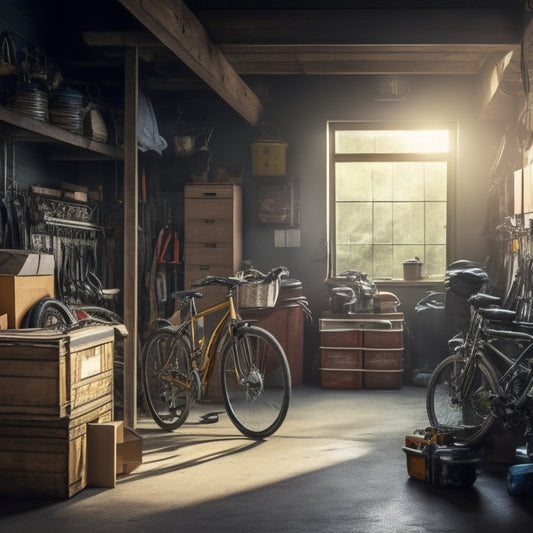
column 254, row 293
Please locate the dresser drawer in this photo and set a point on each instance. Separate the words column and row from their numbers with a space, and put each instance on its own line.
column 208, row 230
column 209, row 254
column 392, row 338
column 194, row 272
column 209, row 191
column 341, row 337
column 201, row 209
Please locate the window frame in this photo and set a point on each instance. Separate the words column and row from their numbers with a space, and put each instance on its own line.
column 333, row 158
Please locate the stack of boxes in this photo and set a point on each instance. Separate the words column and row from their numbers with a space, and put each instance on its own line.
column 51, row 386
column 361, row 351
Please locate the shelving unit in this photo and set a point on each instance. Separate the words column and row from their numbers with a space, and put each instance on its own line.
column 17, row 127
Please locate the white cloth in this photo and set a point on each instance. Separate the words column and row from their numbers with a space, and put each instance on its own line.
column 148, row 137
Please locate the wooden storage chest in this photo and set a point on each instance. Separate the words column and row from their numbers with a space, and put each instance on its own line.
column 378, row 338
column 46, row 456
column 341, row 368
column 383, row 369
column 44, row 373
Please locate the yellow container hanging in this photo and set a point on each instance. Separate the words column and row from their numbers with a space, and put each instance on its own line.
column 268, row 157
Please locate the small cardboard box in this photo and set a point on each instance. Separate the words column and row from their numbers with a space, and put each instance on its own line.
column 112, row 449
column 26, row 263
column 129, row 452
column 19, row 293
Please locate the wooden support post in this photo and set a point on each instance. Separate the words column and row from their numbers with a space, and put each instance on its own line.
column 131, row 72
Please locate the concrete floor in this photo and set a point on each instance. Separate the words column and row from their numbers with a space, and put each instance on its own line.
column 336, row 465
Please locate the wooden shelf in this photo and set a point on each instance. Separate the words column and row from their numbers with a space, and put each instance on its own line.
column 23, row 128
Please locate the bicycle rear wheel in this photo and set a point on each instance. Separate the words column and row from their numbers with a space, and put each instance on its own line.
column 256, row 383
column 167, row 377
column 466, row 414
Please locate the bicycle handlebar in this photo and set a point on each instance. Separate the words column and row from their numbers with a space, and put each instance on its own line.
column 275, row 273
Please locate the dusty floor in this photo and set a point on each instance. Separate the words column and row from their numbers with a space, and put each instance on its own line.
column 335, row 465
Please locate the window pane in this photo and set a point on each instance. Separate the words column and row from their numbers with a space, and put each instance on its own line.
column 391, row 141
column 436, row 223
column 408, row 223
column 382, row 223
column 354, row 257
column 381, row 181
column 435, row 181
column 353, row 181
column 383, row 261
column 408, row 181
column 354, row 223
column 435, row 261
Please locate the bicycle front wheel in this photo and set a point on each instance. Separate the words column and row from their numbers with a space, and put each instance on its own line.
column 167, row 377
column 459, row 403
column 256, row 382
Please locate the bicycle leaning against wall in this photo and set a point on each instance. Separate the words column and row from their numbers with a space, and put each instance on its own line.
column 489, row 376
column 178, row 361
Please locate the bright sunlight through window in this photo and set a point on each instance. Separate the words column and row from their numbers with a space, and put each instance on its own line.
column 388, row 198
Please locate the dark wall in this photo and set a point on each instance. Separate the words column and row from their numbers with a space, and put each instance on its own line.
column 300, row 108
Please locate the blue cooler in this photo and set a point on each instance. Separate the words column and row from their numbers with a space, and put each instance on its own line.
column 520, row 479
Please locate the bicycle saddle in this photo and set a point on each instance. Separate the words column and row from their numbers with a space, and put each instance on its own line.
column 494, row 313
column 482, row 299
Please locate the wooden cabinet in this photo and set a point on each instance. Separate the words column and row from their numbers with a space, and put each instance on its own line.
column 212, row 245
column 212, row 235
column 361, row 351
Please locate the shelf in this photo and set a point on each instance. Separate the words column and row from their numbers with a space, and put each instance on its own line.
column 25, row 128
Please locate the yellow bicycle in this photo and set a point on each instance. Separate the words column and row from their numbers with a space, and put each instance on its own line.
column 254, row 373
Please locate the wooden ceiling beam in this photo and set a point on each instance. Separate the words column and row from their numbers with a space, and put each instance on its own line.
column 364, row 26
column 175, row 26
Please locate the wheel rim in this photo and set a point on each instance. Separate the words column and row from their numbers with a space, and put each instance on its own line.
column 164, row 363
column 256, row 391
column 469, row 416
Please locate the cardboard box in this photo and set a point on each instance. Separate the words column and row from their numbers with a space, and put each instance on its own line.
column 26, row 263
column 102, row 442
column 112, row 449
column 18, row 294
column 3, row 321
column 129, row 452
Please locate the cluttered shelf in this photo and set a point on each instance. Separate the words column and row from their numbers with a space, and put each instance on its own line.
column 17, row 126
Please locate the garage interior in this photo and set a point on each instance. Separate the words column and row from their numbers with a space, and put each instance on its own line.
column 176, row 95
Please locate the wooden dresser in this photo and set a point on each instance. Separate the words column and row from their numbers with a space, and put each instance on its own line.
column 212, row 235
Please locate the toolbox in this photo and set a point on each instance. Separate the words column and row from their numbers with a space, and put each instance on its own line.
column 431, row 456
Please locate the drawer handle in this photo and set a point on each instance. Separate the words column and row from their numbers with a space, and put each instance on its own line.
column 210, row 244
column 204, row 267
column 209, row 221
column 210, row 193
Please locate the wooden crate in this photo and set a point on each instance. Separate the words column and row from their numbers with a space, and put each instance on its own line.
column 341, row 368
column 342, row 337
column 46, row 456
column 383, row 369
column 390, row 338
column 46, row 373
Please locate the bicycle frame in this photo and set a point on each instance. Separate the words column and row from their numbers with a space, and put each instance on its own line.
column 492, row 336
column 206, row 355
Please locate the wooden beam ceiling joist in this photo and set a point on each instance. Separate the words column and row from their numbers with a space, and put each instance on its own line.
column 175, row 26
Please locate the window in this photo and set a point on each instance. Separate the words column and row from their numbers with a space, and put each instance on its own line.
column 390, row 194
